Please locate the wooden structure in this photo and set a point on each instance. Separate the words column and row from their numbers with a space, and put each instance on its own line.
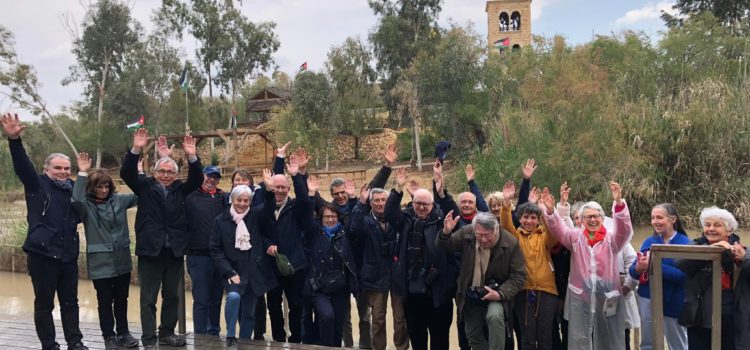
column 259, row 107
column 659, row 251
column 232, row 138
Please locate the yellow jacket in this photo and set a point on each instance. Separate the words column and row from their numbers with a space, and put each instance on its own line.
column 535, row 247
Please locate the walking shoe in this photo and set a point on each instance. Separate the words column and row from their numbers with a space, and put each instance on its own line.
column 231, row 341
column 78, row 346
column 110, row 343
column 172, row 340
column 127, row 340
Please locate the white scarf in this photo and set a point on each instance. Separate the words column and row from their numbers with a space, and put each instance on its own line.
column 241, row 234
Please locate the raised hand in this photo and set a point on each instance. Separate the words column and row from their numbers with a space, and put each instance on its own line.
column 140, row 139
column 437, row 169
column 281, row 151
column 450, row 222
column 509, row 191
column 349, row 188
column 312, row 185
column 528, row 168
column 302, row 159
column 401, row 176
column 267, row 179
column 84, row 162
column 547, row 200
column 140, row 166
column 162, row 148
column 12, row 127
column 534, row 195
column 391, row 154
column 564, row 192
column 188, row 145
column 293, row 166
column 469, row 172
column 364, row 193
column 413, row 187
column 439, row 185
column 616, row 190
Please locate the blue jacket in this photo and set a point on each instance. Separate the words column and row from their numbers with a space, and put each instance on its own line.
column 52, row 221
column 378, row 247
column 674, row 278
column 254, row 266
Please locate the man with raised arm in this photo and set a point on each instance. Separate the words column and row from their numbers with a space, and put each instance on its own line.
column 161, row 234
column 52, row 242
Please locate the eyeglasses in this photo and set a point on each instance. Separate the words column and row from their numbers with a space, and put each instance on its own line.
column 421, row 204
column 338, row 194
column 592, row 217
column 329, row 217
column 166, row 172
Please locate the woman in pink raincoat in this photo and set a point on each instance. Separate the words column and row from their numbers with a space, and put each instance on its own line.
column 596, row 309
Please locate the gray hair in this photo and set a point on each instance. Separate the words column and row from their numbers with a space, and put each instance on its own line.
column 167, row 160
column 721, row 214
column 486, row 220
column 240, row 190
column 336, row 182
column 376, row 190
column 575, row 207
column 590, row 205
column 52, row 156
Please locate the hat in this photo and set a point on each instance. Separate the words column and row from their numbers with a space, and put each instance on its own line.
column 441, row 150
column 212, row 169
column 282, row 263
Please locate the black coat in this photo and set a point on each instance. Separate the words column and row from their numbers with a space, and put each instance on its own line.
column 444, row 264
column 52, row 221
column 323, row 257
column 254, row 266
column 378, row 248
column 160, row 220
column 287, row 231
column 201, row 209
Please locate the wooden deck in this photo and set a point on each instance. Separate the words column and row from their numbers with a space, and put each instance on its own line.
column 20, row 334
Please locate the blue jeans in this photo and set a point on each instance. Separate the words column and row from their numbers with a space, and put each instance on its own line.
column 232, row 311
column 207, row 294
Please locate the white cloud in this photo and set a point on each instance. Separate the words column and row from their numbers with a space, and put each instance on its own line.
column 646, row 13
column 538, row 5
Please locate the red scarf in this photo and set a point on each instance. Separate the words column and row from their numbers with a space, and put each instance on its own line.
column 596, row 237
column 470, row 217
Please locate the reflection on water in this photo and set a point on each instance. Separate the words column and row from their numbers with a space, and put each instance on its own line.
column 17, row 300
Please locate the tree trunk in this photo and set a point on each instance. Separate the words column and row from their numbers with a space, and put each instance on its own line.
column 356, row 147
column 418, row 148
column 102, row 87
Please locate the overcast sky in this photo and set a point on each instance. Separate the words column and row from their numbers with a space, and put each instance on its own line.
column 306, row 29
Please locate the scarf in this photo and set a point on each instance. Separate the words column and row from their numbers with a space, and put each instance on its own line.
column 595, row 237
column 469, row 218
column 481, row 261
column 330, row 231
column 538, row 230
column 280, row 206
column 241, row 234
column 66, row 185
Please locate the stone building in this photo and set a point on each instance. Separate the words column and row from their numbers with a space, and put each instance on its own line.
column 508, row 24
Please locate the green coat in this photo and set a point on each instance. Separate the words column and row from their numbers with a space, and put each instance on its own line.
column 106, row 226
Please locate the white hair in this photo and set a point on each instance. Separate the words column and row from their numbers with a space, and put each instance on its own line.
column 486, row 220
column 167, row 160
column 722, row 214
column 376, row 190
column 53, row 156
column 590, row 205
column 240, row 190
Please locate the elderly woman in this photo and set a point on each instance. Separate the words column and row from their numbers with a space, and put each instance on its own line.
column 108, row 261
column 236, row 247
column 718, row 230
column 595, row 303
column 668, row 229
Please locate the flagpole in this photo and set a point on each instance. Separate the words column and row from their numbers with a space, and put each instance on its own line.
column 187, row 117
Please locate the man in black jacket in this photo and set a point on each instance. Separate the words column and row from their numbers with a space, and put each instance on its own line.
column 52, row 241
column 423, row 275
column 161, row 234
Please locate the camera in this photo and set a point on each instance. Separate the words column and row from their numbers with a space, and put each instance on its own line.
column 477, row 293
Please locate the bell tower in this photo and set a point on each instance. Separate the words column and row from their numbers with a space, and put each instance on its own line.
column 508, row 24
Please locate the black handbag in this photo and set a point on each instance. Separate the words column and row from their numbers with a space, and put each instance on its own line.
column 332, row 281
column 692, row 312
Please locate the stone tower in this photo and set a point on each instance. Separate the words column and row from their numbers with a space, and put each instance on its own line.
column 508, row 24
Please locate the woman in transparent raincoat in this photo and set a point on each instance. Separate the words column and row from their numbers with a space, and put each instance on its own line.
column 596, row 308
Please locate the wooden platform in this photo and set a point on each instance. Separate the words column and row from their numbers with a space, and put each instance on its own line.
column 20, row 334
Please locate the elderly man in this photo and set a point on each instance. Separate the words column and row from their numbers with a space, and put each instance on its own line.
column 52, row 240
column 424, row 276
column 492, row 272
column 202, row 206
column 161, row 234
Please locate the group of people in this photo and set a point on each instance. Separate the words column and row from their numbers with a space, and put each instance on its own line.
column 538, row 272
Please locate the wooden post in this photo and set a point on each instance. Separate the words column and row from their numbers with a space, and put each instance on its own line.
column 660, row 251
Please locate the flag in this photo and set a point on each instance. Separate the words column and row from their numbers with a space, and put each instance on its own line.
column 505, row 42
column 136, row 125
column 303, row 67
column 184, row 81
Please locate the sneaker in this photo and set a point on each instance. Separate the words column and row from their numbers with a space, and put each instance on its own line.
column 78, row 346
column 110, row 343
column 172, row 340
column 231, row 341
column 127, row 340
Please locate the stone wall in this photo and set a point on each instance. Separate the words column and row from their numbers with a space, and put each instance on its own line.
column 521, row 37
